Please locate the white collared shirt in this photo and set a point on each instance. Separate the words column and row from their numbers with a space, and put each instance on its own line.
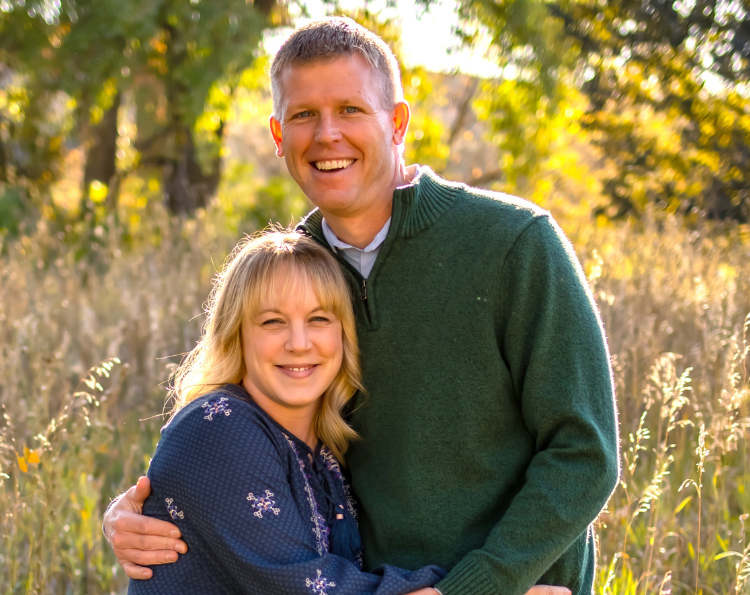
column 361, row 259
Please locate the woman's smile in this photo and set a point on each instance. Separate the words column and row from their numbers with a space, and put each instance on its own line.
column 298, row 371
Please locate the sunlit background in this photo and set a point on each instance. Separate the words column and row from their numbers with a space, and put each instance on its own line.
column 134, row 153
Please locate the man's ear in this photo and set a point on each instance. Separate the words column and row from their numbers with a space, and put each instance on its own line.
column 276, row 134
column 401, row 115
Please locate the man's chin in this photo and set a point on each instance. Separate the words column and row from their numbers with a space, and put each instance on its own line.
column 332, row 200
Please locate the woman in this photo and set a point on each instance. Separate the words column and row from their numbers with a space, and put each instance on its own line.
column 249, row 467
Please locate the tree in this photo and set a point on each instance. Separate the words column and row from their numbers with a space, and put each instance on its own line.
column 669, row 90
column 668, row 87
column 165, row 55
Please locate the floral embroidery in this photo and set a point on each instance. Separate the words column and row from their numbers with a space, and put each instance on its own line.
column 215, row 407
column 263, row 504
column 319, row 584
column 320, row 527
column 333, row 466
column 172, row 509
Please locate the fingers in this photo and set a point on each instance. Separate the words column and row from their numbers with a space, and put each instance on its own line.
column 548, row 590
column 146, row 558
column 123, row 541
column 134, row 498
column 132, row 522
column 136, row 572
column 141, row 492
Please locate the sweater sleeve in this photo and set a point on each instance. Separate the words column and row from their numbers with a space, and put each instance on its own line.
column 551, row 338
column 221, row 477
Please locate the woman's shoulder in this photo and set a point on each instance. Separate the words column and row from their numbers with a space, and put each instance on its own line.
column 221, row 414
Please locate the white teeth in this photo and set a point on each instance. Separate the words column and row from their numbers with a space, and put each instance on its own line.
column 338, row 164
column 300, row 369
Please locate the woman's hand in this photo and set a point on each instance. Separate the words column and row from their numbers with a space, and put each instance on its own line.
column 535, row 590
column 138, row 540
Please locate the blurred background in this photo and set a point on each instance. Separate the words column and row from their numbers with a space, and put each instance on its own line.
column 134, row 153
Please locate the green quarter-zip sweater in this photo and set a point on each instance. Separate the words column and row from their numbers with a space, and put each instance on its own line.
column 489, row 435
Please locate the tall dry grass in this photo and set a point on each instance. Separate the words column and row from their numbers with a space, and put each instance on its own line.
column 674, row 303
column 675, row 306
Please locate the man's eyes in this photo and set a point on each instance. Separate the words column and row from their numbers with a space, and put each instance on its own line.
column 349, row 109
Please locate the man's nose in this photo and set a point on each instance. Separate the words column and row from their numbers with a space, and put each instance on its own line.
column 298, row 339
column 328, row 130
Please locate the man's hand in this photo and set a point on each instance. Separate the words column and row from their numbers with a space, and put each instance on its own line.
column 139, row 540
column 536, row 590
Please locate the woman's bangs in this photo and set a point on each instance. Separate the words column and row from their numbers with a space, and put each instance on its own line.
column 331, row 293
column 284, row 276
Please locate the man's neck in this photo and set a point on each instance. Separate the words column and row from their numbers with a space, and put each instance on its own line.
column 360, row 230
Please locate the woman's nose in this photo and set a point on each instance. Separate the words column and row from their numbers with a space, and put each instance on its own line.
column 298, row 339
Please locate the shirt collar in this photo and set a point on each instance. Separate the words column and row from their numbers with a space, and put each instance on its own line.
column 337, row 244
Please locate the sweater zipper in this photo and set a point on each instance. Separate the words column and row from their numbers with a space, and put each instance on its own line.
column 364, row 290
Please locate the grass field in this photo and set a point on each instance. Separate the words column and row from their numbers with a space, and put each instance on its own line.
column 92, row 317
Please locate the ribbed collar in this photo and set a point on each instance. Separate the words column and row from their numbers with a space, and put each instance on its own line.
column 416, row 206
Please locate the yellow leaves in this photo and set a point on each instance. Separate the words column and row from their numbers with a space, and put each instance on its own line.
column 98, row 191
column 159, row 64
column 95, row 114
column 727, row 272
column 158, row 44
column 29, row 457
column 723, row 555
column 55, row 143
column 683, row 504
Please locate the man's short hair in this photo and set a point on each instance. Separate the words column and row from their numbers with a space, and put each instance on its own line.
column 334, row 37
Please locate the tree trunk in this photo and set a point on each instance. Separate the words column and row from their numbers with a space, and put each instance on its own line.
column 186, row 187
column 102, row 150
column 3, row 163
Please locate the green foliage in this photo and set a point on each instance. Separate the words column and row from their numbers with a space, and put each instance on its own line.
column 12, row 210
column 670, row 101
column 81, row 60
column 668, row 85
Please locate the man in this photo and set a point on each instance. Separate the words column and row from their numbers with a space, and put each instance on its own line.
column 489, row 433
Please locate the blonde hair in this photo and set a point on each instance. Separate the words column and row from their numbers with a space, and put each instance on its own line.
column 251, row 272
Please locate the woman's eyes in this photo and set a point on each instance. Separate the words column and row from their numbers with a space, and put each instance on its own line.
column 320, row 319
column 277, row 321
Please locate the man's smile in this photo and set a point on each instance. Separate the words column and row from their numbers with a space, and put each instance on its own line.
column 333, row 164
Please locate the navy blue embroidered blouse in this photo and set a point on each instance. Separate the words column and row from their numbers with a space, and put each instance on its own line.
column 256, row 506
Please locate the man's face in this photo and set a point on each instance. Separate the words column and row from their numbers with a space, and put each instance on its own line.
column 339, row 142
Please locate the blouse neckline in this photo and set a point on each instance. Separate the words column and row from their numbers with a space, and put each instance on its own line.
column 239, row 391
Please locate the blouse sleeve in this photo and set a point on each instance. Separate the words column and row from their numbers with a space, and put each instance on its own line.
column 223, row 481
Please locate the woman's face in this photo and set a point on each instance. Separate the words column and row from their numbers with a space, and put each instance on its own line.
column 293, row 350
